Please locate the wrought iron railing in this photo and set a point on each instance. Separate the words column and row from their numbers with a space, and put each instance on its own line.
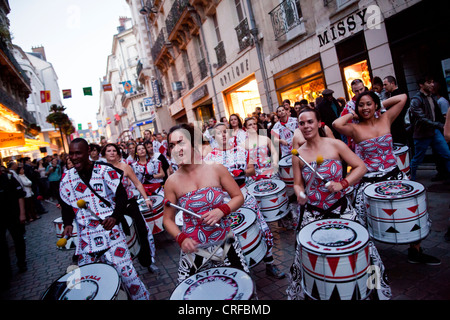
column 220, row 54
column 243, row 34
column 190, row 80
column 286, row 16
column 159, row 43
column 175, row 13
column 203, row 68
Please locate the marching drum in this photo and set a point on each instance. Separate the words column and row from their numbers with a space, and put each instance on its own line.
column 397, row 211
column 215, row 284
column 246, row 228
column 272, row 198
column 286, row 173
column 334, row 259
column 59, row 227
column 401, row 153
column 154, row 218
column 179, row 218
column 95, row 281
column 132, row 240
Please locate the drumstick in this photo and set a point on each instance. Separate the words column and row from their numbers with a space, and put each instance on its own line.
column 295, row 153
column 82, row 205
column 168, row 203
column 319, row 161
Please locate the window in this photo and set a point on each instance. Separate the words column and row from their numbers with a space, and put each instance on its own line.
column 239, row 9
column 143, row 107
column 216, row 28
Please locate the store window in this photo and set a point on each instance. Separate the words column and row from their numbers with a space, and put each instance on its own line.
column 359, row 70
column 243, row 99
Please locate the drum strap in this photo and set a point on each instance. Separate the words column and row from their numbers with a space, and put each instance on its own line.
column 328, row 213
column 393, row 173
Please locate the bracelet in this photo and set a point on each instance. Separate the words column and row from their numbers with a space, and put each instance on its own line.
column 344, row 183
column 225, row 208
column 148, row 199
column 180, row 238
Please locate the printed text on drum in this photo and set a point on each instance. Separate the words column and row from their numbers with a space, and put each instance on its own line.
column 240, row 309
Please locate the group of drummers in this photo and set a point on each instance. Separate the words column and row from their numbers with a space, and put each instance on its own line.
column 219, row 197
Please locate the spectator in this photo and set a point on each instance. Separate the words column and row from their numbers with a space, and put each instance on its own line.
column 398, row 128
column 30, row 210
column 54, row 176
column 329, row 110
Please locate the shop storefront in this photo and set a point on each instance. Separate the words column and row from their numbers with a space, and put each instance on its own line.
column 243, row 98
column 302, row 81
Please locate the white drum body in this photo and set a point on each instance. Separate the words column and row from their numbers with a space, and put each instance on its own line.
column 246, row 228
column 401, row 153
column 334, row 259
column 179, row 218
column 95, row 281
column 286, row 173
column 59, row 227
column 271, row 195
column 132, row 240
column 215, row 284
column 154, row 218
column 397, row 211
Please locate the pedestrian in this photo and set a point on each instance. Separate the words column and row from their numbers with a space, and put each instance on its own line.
column 12, row 197
column 104, row 239
column 54, row 174
column 428, row 123
column 30, row 210
column 398, row 128
column 329, row 110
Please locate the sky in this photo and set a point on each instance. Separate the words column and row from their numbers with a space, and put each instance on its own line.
column 77, row 36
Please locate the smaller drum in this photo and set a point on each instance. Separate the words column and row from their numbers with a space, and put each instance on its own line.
column 215, row 284
column 132, row 240
column 179, row 218
column 286, row 173
column 272, row 198
column 154, row 218
column 59, row 227
column 334, row 259
column 401, row 153
column 245, row 225
column 397, row 211
column 95, row 281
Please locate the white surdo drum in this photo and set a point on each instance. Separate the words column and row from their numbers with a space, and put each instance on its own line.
column 286, row 173
column 95, row 281
column 334, row 259
column 59, row 227
column 401, row 153
column 154, row 218
column 397, row 211
column 221, row 283
column 246, row 228
column 271, row 195
column 132, row 240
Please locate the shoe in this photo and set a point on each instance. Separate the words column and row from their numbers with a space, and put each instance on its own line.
column 417, row 256
column 273, row 271
column 153, row 269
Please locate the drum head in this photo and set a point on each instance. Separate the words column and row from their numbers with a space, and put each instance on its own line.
column 400, row 148
column 242, row 219
column 394, row 189
column 96, row 281
column 142, row 206
column 266, row 187
column 285, row 161
column 333, row 236
column 215, row 284
column 157, row 201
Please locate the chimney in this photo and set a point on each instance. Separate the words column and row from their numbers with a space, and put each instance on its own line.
column 40, row 50
column 122, row 21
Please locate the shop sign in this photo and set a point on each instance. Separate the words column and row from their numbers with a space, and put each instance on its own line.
column 234, row 73
column 370, row 17
column 11, row 139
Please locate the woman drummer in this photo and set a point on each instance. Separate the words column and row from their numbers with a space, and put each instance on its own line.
column 324, row 199
column 111, row 152
column 200, row 187
column 236, row 161
column 374, row 146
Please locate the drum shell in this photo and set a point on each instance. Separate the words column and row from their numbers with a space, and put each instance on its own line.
column 59, row 227
column 133, row 243
column 273, row 203
column 286, row 173
column 73, row 285
column 329, row 274
column 222, row 283
column 154, row 218
column 397, row 220
column 246, row 228
column 401, row 153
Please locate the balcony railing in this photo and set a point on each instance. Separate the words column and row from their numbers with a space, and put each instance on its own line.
column 220, row 54
column 243, row 34
column 190, row 80
column 175, row 13
column 203, row 68
column 286, row 16
column 159, row 43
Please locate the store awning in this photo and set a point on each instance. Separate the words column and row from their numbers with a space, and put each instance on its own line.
column 11, row 139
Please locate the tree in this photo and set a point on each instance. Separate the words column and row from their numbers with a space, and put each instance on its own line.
column 60, row 120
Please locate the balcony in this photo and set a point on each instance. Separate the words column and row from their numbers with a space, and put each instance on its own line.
column 286, row 17
column 220, row 54
column 243, row 35
column 203, row 68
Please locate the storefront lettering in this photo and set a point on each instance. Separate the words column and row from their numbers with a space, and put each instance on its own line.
column 350, row 23
column 234, row 72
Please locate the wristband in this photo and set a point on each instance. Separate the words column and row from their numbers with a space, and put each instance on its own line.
column 181, row 237
column 225, row 209
column 148, row 200
column 344, row 183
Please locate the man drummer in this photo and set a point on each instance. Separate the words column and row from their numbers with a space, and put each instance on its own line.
column 100, row 233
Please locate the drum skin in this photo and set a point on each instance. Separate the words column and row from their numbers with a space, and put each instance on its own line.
column 221, row 283
column 397, row 211
column 334, row 259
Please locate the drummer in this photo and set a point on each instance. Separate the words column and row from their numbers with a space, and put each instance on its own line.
column 283, row 131
column 373, row 139
column 324, row 200
column 146, row 256
column 191, row 184
column 236, row 161
column 148, row 170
